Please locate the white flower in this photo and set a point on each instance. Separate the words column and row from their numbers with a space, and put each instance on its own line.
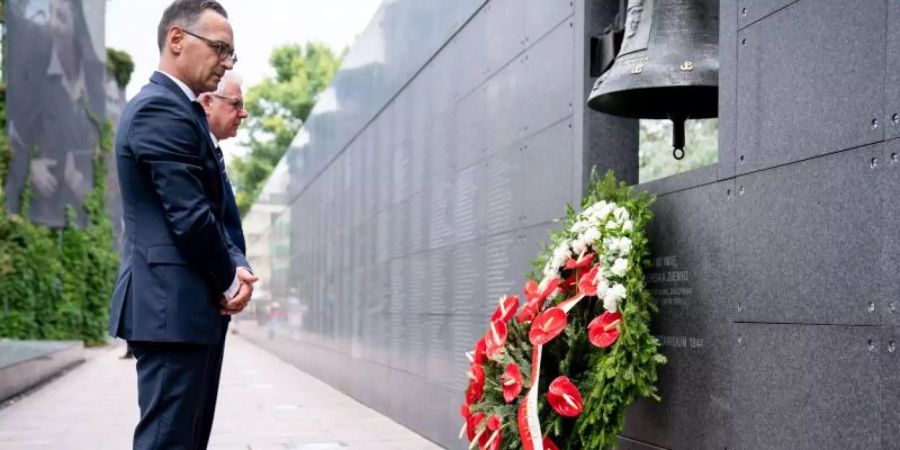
column 579, row 246
column 590, row 236
column 548, row 269
column 620, row 246
column 600, row 211
column 558, row 259
column 611, row 225
column 628, row 225
column 619, row 267
column 580, row 226
column 621, row 214
column 611, row 296
column 610, row 304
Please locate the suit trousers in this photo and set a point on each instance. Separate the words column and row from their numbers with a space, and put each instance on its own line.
column 174, row 384
column 214, row 371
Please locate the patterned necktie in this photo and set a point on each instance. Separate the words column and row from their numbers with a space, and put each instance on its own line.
column 221, row 158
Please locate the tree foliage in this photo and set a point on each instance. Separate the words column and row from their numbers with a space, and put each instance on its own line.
column 278, row 107
column 655, row 154
column 120, row 65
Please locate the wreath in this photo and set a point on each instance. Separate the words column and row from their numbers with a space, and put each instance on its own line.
column 559, row 371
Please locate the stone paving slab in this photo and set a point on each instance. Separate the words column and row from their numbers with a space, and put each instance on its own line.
column 264, row 403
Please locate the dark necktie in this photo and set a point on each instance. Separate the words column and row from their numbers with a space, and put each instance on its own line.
column 220, row 157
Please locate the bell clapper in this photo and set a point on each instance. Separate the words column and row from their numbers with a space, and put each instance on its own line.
column 677, row 137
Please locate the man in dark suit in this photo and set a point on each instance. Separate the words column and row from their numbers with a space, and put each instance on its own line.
column 180, row 270
column 224, row 112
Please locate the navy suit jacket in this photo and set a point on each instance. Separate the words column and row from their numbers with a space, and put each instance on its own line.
column 178, row 257
column 233, row 219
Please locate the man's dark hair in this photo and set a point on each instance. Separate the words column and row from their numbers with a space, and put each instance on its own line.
column 184, row 13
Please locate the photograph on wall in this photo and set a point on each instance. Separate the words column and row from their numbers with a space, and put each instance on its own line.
column 53, row 96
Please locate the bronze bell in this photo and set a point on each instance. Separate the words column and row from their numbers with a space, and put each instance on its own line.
column 667, row 66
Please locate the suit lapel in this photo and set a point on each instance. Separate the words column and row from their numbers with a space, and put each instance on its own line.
column 200, row 115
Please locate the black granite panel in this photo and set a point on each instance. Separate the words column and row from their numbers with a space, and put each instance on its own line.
column 467, row 265
column 689, row 277
column 440, row 276
column 728, row 48
column 419, row 219
column 402, row 171
column 888, row 171
column 440, row 225
column 441, row 349
column 750, row 11
column 625, row 443
column 400, row 229
column 889, row 349
column 892, row 86
column 547, row 157
column 807, row 240
column 468, row 206
column 809, row 82
column 545, row 76
column 679, row 182
column 500, row 187
column 806, row 387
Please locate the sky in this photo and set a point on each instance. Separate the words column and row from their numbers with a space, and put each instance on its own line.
column 259, row 26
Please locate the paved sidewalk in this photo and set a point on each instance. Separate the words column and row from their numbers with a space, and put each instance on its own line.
column 264, row 403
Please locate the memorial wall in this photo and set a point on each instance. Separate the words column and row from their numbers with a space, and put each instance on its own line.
column 456, row 132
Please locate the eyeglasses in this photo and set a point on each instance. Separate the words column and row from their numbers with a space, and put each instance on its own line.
column 235, row 103
column 223, row 50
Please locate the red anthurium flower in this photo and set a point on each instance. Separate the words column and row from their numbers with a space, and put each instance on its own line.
column 551, row 286
column 464, row 410
column 564, row 397
column 472, row 424
column 569, row 283
column 549, row 445
column 547, row 326
column 476, row 384
column 506, row 309
column 476, row 373
column 587, row 286
column 511, row 382
column 604, row 329
column 495, row 339
column 479, row 356
column 528, row 312
column 531, row 291
column 474, row 392
column 494, row 423
column 490, row 440
column 536, row 298
column 534, row 292
column 580, row 263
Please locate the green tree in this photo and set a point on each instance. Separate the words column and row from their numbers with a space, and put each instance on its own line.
column 278, row 107
column 655, row 154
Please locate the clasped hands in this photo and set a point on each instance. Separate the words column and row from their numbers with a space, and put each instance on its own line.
column 240, row 300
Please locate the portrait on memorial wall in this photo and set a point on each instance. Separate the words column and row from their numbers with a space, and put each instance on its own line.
column 56, row 66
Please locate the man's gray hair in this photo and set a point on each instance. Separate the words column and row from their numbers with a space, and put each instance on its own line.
column 184, row 13
column 229, row 77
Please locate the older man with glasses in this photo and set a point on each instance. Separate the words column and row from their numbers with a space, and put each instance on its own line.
column 224, row 112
